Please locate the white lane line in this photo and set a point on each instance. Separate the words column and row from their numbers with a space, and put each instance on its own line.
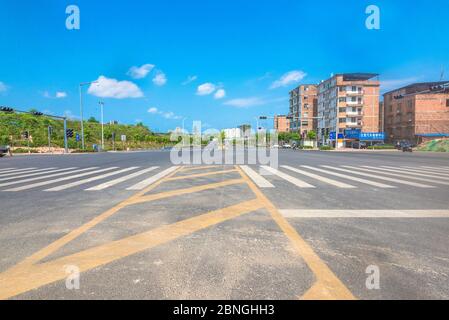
column 44, row 183
column 145, row 183
column 17, row 170
column 293, row 180
column 365, row 213
column 419, row 173
column 120, row 180
column 88, row 180
column 6, row 184
column 393, row 173
column 321, row 178
column 50, row 170
column 376, row 176
column 260, row 181
column 344, row 176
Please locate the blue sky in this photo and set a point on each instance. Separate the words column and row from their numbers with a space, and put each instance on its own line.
column 250, row 52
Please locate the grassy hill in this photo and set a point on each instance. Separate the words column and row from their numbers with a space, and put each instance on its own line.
column 435, row 146
column 12, row 127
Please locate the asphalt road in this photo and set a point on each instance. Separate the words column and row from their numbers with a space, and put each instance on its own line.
column 138, row 227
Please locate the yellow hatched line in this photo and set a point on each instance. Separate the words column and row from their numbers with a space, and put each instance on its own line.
column 327, row 286
column 25, row 278
column 174, row 193
column 200, row 175
column 186, row 169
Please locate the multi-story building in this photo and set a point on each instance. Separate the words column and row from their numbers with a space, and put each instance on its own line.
column 348, row 101
column 281, row 124
column 303, row 109
column 417, row 112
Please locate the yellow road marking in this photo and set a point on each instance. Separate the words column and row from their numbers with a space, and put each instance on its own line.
column 328, row 286
column 53, row 247
column 174, row 193
column 23, row 278
column 200, row 175
column 185, row 169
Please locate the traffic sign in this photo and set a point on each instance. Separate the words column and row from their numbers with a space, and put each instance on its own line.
column 78, row 137
column 123, row 138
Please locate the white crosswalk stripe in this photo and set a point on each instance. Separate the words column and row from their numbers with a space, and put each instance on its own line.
column 6, row 169
column 96, row 178
column 432, row 171
column 23, row 172
column 436, row 168
column 419, row 173
column 375, row 176
column 286, row 177
column 393, row 173
column 344, row 176
column 145, row 183
column 321, row 178
column 17, row 170
column 109, row 184
column 10, row 183
column 260, row 181
column 48, row 170
column 44, row 183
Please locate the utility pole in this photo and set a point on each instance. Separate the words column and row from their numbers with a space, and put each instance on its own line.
column 50, row 131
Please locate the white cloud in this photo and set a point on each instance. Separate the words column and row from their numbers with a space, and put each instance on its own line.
column 69, row 115
column 246, row 102
column 57, row 95
column 189, row 79
column 3, row 87
column 167, row 115
column 112, row 88
column 289, row 78
column 206, row 89
column 220, row 94
column 253, row 101
column 160, row 79
column 140, row 72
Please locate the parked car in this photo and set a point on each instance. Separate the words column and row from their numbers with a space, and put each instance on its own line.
column 359, row 145
column 287, row 146
column 4, row 150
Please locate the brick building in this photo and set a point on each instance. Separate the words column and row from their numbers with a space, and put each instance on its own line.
column 282, row 124
column 352, row 101
column 417, row 112
column 303, row 109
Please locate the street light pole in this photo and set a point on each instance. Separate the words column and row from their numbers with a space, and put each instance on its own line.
column 102, row 124
column 81, row 110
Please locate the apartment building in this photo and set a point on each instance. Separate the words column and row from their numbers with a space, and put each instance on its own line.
column 303, row 109
column 281, row 124
column 348, row 101
column 417, row 112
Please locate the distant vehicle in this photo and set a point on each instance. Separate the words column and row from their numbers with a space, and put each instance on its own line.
column 287, row 146
column 276, row 146
column 4, row 150
column 406, row 147
column 360, row 145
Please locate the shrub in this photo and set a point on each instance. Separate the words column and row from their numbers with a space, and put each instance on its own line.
column 326, row 148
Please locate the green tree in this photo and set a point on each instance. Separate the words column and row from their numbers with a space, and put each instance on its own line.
column 311, row 135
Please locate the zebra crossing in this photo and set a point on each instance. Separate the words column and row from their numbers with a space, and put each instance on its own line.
column 95, row 179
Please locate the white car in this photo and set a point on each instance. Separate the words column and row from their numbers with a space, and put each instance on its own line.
column 287, row 146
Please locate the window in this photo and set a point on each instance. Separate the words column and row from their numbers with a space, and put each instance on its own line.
column 354, row 89
column 342, row 120
column 342, row 99
column 447, row 102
